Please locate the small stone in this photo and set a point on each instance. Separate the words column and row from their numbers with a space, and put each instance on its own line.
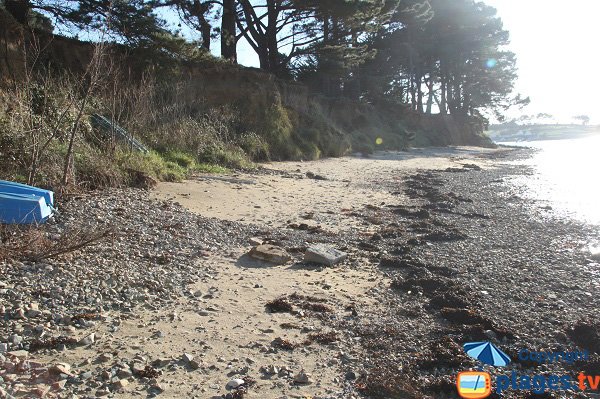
column 162, row 362
column 124, row 372
column 302, row 378
column 255, row 241
column 187, row 358
column 270, row 253
column 120, row 384
column 105, row 357
column 21, row 355
column 60, row 368
column 157, row 388
column 3, row 347
column 59, row 385
column 86, row 376
column 15, row 339
column 102, row 392
column 350, row 375
column 89, row 340
column 138, row 368
column 19, row 314
column 270, row 370
column 323, row 254
column 235, row 383
column 194, row 365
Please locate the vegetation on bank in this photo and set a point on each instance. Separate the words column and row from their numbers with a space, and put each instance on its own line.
column 336, row 78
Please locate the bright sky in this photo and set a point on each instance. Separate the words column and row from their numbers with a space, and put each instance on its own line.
column 558, row 54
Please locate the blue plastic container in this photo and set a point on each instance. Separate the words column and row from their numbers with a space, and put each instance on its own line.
column 22, row 204
column 9, row 187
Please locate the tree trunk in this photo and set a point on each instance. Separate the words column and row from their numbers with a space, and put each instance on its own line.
column 263, row 58
column 443, row 100
column 431, row 94
column 335, row 29
column 206, row 30
column 19, row 9
column 272, row 44
column 419, row 81
column 413, row 93
column 228, row 32
column 199, row 10
column 450, row 96
column 326, row 29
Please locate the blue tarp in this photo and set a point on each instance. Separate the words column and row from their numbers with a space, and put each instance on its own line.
column 22, row 204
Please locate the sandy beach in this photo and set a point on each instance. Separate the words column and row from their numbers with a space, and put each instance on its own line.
column 284, row 192
column 441, row 251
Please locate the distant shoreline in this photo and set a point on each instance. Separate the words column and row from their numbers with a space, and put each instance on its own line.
column 504, row 133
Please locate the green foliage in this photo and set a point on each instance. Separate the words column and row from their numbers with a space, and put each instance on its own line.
column 152, row 164
column 182, row 159
column 255, row 146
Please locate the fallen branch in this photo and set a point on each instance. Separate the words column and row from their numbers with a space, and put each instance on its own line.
column 34, row 245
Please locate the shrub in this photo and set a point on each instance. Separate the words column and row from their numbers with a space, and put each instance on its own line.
column 254, row 146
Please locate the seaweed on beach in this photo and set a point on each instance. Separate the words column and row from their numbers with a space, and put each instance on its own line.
column 285, row 304
column 463, row 316
column 51, row 343
column 315, row 307
column 148, row 372
column 299, row 297
column 279, row 305
column 444, row 352
column 323, row 338
column 290, row 326
column 85, row 316
column 586, row 334
column 285, row 344
column 387, row 382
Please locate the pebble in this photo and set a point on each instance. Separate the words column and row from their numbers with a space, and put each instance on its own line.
column 302, row 378
column 121, row 384
column 105, row 357
column 88, row 340
column 235, row 383
column 62, row 368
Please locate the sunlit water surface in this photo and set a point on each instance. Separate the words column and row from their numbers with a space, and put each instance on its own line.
column 566, row 176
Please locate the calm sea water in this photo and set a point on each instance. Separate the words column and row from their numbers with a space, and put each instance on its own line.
column 566, row 176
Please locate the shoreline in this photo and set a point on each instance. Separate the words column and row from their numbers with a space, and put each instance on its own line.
column 441, row 252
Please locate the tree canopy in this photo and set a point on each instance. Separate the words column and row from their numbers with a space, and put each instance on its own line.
column 429, row 55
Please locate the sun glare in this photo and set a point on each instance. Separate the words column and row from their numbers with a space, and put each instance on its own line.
column 556, row 50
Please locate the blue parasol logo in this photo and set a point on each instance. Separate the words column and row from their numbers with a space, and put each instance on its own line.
column 487, row 353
